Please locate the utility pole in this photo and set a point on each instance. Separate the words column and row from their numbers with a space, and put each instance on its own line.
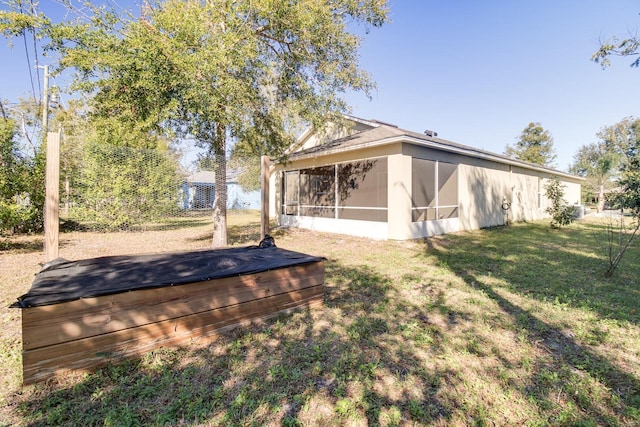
column 52, row 178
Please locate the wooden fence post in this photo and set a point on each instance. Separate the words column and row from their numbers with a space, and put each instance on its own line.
column 52, row 196
column 264, row 194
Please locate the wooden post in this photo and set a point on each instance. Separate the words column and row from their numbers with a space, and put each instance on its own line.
column 52, row 196
column 264, row 194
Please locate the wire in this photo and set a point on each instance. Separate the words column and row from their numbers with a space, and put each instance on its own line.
column 35, row 51
column 26, row 51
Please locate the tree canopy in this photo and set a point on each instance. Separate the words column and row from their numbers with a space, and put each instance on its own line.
column 21, row 176
column 210, row 70
column 617, row 47
column 598, row 164
column 601, row 162
column 535, row 145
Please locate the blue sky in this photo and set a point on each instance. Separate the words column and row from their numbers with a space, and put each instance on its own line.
column 478, row 72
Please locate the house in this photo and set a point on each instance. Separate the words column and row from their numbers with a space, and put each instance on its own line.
column 379, row 181
column 238, row 197
column 198, row 192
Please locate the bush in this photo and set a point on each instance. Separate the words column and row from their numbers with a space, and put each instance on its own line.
column 561, row 213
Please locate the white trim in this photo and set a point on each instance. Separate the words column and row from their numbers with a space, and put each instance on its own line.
column 422, row 229
column 436, row 186
column 364, row 208
column 371, row 229
column 336, row 190
column 434, row 207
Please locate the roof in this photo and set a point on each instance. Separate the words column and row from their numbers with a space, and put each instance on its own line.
column 209, row 177
column 381, row 133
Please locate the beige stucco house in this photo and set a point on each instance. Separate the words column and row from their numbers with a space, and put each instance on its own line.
column 377, row 180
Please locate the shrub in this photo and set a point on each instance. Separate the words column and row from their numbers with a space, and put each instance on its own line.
column 561, row 213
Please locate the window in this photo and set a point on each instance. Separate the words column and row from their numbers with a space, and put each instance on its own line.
column 423, row 190
column 447, row 190
column 355, row 190
column 317, row 192
column 362, row 190
column 434, row 190
column 291, row 192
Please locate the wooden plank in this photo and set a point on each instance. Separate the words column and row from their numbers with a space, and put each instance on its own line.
column 264, row 196
column 53, row 324
column 88, row 353
column 52, row 196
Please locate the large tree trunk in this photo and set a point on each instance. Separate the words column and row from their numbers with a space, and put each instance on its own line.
column 220, row 202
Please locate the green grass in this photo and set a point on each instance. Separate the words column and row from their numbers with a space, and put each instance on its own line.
column 505, row 326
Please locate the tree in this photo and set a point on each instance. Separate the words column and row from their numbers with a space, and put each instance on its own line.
column 535, row 145
column 21, row 179
column 250, row 171
column 214, row 70
column 617, row 47
column 76, row 131
column 120, row 187
column 561, row 213
column 11, row 173
column 628, row 199
column 600, row 162
column 598, row 165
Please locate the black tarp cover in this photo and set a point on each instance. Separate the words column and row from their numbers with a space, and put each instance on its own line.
column 61, row 280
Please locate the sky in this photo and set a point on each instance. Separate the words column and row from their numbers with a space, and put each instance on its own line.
column 475, row 72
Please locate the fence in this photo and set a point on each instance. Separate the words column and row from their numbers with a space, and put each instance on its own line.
column 114, row 189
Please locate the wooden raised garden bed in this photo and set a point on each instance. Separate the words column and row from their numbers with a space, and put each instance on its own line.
column 79, row 315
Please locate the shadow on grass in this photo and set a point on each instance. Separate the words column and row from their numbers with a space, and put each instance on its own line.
column 351, row 359
column 165, row 224
column 564, row 267
column 558, row 267
column 237, row 235
column 9, row 244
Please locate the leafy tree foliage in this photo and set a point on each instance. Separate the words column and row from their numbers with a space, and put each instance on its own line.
column 535, row 145
column 617, row 47
column 627, row 199
column 21, row 182
column 120, row 187
column 11, row 174
column 600, row 162
column 629, row 196
column 213, row 70
column 561, row 213
column 250, row 171
column 614, row 162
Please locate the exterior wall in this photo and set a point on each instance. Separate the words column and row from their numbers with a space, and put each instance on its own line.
column 238, row 198
column 526, row 191
column 275, row 182
column 483, row 188
column 311, row 139
column 482, row 192
column 350, row 227
column 399, row 204
column 572, row 193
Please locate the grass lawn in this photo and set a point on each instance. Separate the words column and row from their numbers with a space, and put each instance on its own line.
column 505, row 326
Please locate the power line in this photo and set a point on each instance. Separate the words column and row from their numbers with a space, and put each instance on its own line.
column 26, row 51
column 35, row 48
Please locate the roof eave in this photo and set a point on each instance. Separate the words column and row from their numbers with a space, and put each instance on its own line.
column 438, row 145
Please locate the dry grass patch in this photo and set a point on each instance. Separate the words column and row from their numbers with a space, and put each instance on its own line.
column 508, row 326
